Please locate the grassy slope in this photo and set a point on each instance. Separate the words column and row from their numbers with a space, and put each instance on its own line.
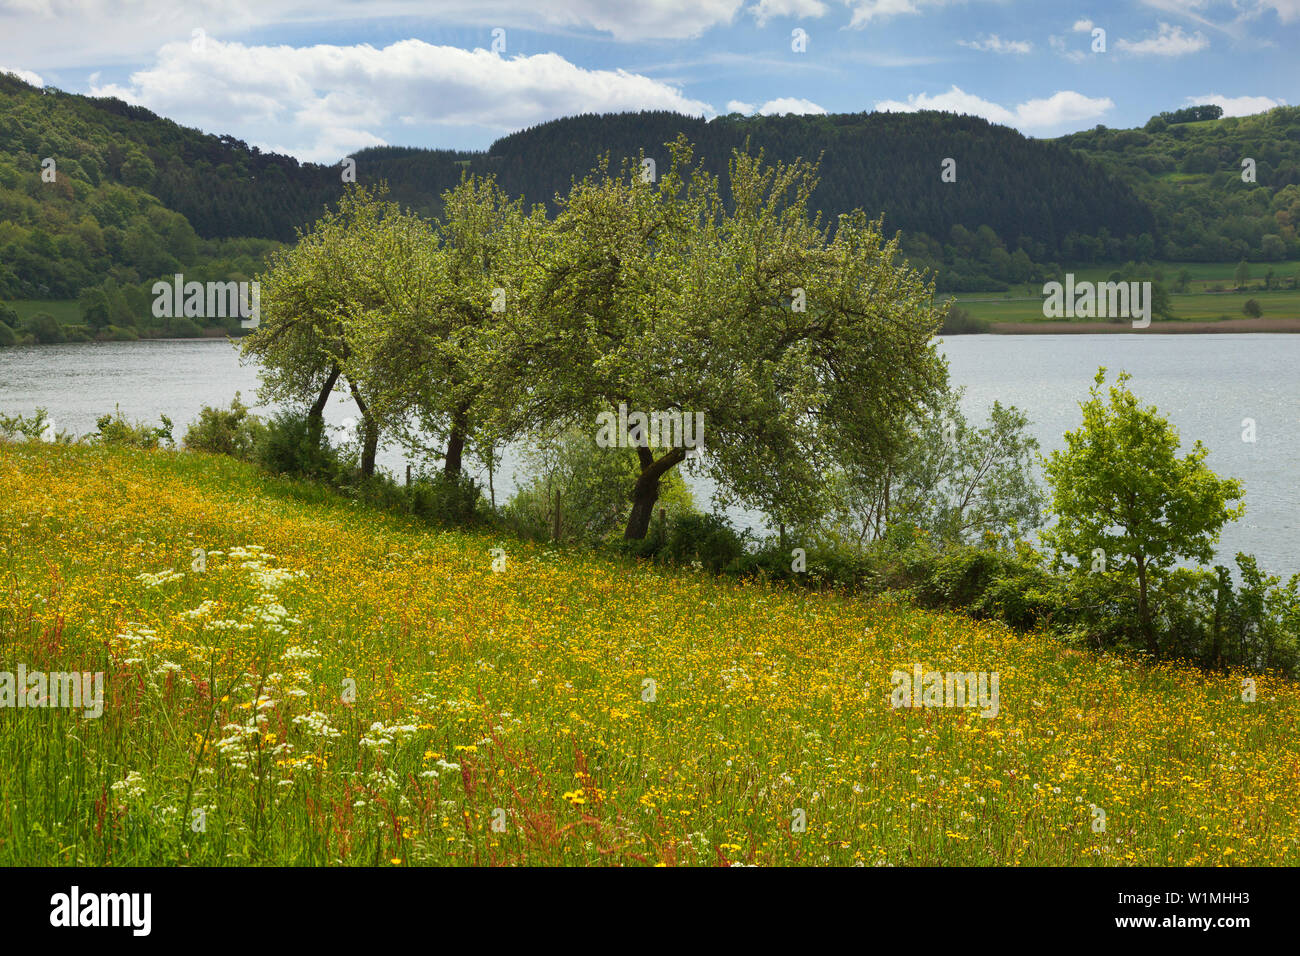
column 527, row 684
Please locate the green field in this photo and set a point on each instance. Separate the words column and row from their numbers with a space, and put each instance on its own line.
column 67, row 311
column 1024, row 303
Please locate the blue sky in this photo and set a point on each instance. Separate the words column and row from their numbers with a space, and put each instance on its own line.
column 320, row 79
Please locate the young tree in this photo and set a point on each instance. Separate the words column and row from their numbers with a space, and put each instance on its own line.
column 1242, row 274
column 962, row 484
column 1126, row 504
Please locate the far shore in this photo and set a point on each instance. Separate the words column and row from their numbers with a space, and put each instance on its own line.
column 1080, row 327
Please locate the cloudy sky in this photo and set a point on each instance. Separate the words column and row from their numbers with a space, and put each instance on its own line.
column 321, row 78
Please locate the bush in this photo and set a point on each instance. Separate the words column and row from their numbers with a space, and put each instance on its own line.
column 689, row 537
column 291, row 444
column 959, row 321
column 221, row 431
column 44, row 328
column 114, row 333
column 78, row 333
column 182, row 328
column 446, row 499
column 116, row 430
column 1252, row 308
column 37, row 428
column 7, row 337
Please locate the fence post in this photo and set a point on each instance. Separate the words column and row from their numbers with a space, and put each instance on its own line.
column 408, row 473
column 555, row 531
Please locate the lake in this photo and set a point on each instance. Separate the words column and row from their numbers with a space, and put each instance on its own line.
column 1205, row 384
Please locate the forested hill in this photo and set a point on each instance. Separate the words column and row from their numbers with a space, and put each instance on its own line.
column 138, row 196
column 1209, row 203
column 882, row 162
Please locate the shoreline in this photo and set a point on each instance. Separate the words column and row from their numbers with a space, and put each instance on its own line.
column 1167, row 327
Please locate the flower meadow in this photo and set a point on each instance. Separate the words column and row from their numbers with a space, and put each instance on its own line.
column 292, row 678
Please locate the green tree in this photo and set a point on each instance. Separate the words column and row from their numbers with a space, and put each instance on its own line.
column 1242, row 275
column 800, row 346
column 436, row 343
column 1127, row 505
column 45, row 328
column 960, row 483
column 314, row 296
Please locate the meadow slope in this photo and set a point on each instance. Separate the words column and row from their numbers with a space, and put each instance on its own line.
column 337, row 685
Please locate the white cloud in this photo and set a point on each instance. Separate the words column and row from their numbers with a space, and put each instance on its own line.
column 766, row 10
column 67, row 33
column 1058, row 44
column 1168, row 41
column 788, row 104
column 1082, row 26
column 1236, row 105
column 1063, row 108
column 321, row 102
column 1286, row 10
column 865, row 11
column 740, row 106
column 995, row 44
column 27, row 76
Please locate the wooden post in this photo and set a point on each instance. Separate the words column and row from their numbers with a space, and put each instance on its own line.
column 408, row 473
column 555, row 531
column 663, row 514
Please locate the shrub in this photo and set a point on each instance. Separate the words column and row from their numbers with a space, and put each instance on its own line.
column 291, row 444
column 707, row 539
column 114, row 333
column 1252, row 308
column 182, row 328
column 116, row 430
column 447, row 499
column 36, row 428
column 7, row 337
column 959, row 321
column 221, row 431
column 45, row 328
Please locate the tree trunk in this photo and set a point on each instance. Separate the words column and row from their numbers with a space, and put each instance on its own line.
column 316, row 415
column 370, row 434
column 1144, row 610
column 646, row 490
column 455, row 452
column 455, row 444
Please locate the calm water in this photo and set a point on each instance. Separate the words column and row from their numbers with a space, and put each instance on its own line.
column 1206, row 384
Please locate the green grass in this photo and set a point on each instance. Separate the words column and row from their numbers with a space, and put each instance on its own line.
column 67, row 311
column 1024, row 302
